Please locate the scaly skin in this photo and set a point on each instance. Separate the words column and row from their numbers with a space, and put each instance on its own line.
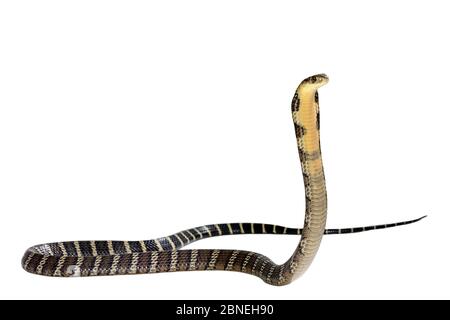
column 305, row 113
column 95, row 258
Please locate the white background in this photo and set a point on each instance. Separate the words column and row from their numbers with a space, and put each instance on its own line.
column 132, row 120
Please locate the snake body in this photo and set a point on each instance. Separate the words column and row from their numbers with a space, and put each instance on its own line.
column 93, row 258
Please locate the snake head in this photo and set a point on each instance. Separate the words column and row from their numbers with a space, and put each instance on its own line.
column 315, row 81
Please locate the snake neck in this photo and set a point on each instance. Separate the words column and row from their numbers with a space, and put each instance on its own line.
column 305, row 113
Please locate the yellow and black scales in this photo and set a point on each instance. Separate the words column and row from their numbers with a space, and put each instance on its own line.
column 95, row 258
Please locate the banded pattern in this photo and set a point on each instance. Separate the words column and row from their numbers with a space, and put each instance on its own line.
column 95, row 258
column 127, row 257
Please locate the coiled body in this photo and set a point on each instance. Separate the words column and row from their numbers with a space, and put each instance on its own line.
column 93, row 258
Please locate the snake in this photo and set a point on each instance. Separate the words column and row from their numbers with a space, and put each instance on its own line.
column 166, row 254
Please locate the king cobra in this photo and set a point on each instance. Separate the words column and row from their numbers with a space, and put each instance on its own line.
column 95, row 258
